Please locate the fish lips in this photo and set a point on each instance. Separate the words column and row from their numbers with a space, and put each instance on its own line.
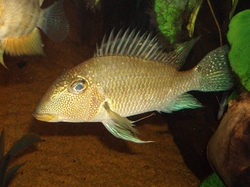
column 46, row 117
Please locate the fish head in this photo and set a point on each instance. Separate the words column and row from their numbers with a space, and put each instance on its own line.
column 71, row 98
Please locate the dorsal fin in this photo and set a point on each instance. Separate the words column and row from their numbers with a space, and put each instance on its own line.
column 132, row 43
column 40, row 2
column 178, row 56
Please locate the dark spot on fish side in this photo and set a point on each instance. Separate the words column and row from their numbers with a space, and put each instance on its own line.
column 22, row 64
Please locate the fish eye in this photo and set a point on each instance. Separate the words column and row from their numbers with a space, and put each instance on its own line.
column 78, row 86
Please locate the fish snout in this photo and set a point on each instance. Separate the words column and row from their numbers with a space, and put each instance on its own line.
column 45, row 117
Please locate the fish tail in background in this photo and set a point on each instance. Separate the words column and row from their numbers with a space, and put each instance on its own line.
column 55, row 23
column 213, row 72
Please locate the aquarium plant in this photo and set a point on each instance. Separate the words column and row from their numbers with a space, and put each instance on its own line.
column 170, row 16
column 239, row 38
column 212, row 180
column 7, row 174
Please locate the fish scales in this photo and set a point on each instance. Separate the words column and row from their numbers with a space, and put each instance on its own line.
column 128, row 75
column 147, row 82
column 17, row 20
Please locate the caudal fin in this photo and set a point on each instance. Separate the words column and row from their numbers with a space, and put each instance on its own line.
column 55, row 24
column 214, row 73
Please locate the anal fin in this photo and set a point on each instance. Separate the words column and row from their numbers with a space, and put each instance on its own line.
column 184, row 101
column 26, row 45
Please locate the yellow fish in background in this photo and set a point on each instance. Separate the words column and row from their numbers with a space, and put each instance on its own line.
column 19, row 23
column 130, row 74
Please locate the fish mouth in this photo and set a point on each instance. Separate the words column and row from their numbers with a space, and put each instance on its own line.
column 46, row 117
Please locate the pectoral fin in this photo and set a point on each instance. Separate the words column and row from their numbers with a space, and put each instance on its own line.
column 41, row 2
column 121, row 127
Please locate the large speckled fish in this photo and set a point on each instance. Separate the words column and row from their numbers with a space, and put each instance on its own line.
column 19, row 23
column 130, row 74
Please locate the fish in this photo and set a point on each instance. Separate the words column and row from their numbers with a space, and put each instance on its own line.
column 129, row 74
column 20, row 22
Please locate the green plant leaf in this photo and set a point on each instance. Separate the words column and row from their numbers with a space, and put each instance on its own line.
column 3, row 168
column 10, row 174
column 24, row 141
column 192, row 18
column 239, row 39
column 169, row 17
column 212, row 180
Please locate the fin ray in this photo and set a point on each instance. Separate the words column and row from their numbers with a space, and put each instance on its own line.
column 41, row 2
column 177, row 57
column 121, row 127
column 123, row 47
column 214, row 73
column 55, row 24
column 26, row 45
column 132, row 43
column 184, row 101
